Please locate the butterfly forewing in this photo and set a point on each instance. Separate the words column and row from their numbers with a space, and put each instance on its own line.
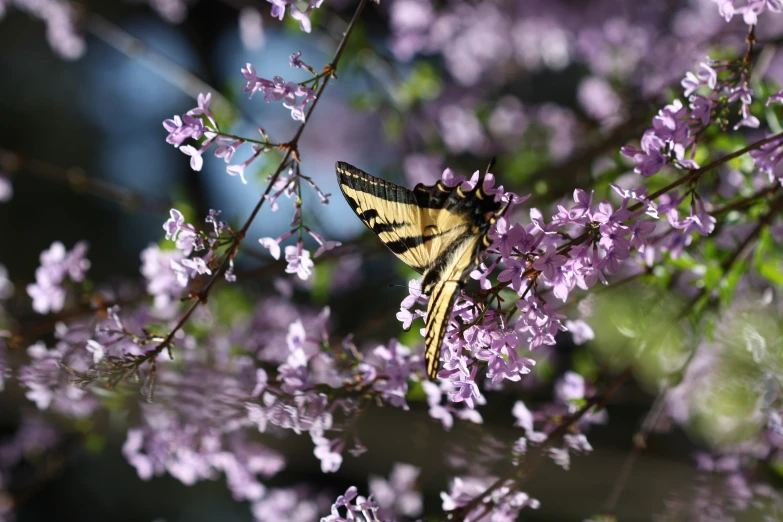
column 392, row 212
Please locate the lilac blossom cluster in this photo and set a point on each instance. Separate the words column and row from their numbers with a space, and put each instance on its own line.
column 61, row 23
column 189, row 240
column 294, row 96
column 48, row 292
column 355, row 507
column 570, row 391
column 676, row 128
column 525, row 257
column 636, row 54
column 302, row 16
column 750, row 11
column 506, row 501
column 297, row 257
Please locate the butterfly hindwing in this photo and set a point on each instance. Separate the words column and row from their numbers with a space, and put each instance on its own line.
column 438, row 316
column 446, row 277
column 437, row 230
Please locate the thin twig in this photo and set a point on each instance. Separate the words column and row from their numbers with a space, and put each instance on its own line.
column 76, row 179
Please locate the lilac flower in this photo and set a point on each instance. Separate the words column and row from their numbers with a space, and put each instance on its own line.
column 278, row 8
column 47, row 292
column 329, row 453
column 767, row 157
column 549, row 262
column 437, row 411
column 162, row 281
column 182, row 128
column 294, row 96
column 580, row 331
column 62, row 24
column 398, row 495
column 299, row 262
column 505, row 236
column 514, row 273
column 196, row 161
column 749, row 12
column 389, row 376
column 96, row 349
column 569, row 388
column 324, row 246
column 507, row 501
column 466, row 388
column 302, row 16
column 251, row 28
column 185, row 235
column 289, row 504
column 362, row 507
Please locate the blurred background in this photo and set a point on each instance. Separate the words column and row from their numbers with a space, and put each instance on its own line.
column 551, row 89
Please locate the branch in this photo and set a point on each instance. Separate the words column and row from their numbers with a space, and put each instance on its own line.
column 291, row 153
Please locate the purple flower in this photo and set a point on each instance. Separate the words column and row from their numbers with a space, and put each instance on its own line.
column 299, row 262
column 513, row 273
column 398, row 495
column 570, row 387
column 505, row 236
column 278, row 8
column 549, row 262
column 580, row 331
column 466, row 388
column 328, row 452
column 47, row 292
column 162, row 281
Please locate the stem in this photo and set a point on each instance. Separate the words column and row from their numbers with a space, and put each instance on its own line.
column 695, row 174
column 775, row 207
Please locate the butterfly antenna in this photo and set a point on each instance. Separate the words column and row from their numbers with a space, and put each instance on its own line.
column 482, row 175
column 491, row 164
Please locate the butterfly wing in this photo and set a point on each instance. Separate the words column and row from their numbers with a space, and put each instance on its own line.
column 392, row 212
column 448, row 275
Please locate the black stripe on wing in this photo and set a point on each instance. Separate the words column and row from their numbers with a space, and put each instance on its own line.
column 438, row 319
column 359, row 180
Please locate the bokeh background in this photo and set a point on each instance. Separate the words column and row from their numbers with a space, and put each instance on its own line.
column 552, row 89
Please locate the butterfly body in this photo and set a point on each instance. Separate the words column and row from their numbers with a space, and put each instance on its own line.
column 437, row 230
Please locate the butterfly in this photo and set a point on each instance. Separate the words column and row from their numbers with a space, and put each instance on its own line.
column 437, row 230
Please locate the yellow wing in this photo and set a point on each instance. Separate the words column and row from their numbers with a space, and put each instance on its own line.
column 459, row 260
